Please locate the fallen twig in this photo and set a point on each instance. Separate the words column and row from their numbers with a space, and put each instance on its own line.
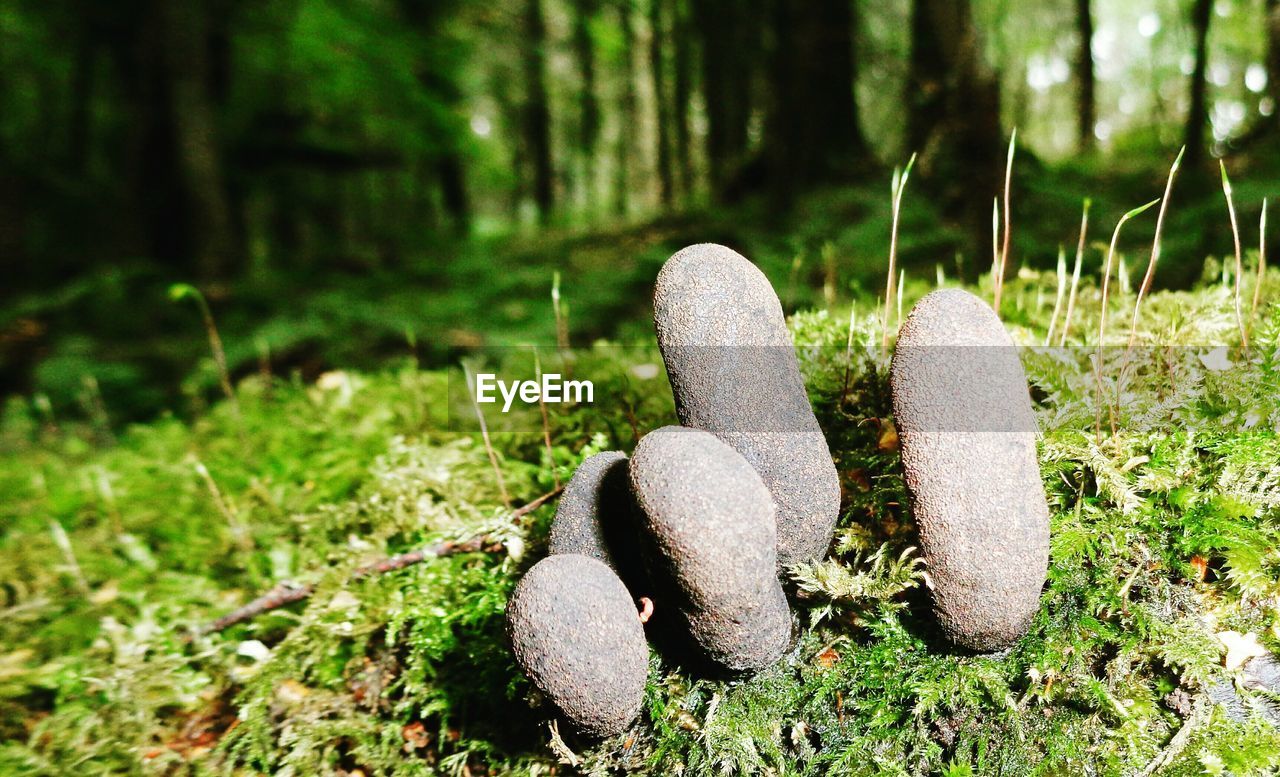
column 284, row 594
column 1178, row 742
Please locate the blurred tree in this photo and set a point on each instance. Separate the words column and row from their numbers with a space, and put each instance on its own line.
column 682, row 36
column 1198, row 113
column 185, row 65
column 814, row 135
column 628, row 109
column 953, row 117
column 658, row 38
column 584, row 11
column 537, row 109
column 730, row 38
column 1272, row 26
column 445, row 160
column 224, row 137
column 1086, row 101
column 1265, row 124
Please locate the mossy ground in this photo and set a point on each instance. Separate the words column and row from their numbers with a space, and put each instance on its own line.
column 116, row 548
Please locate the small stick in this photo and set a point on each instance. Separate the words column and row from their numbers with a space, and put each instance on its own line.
column 1147, row 277
column 108, row 495
column 1106, row 271
column 546, row 422
column 1075, row 275
column 562, row 328
column 902, row 283
column 1262, row 263
column 1235, row 234
column 829, row 274
column 237, row 526
column 1062, row 290
column 284, row 594
column 1004, row 251
column 1179, row 740
column 791, row 281
column 1155, row 249
column 1102, row 316
column 180, row 291
column 63, row 542
column 848, row 354
column 484, row 434
column 898, row 185
column 995, row 254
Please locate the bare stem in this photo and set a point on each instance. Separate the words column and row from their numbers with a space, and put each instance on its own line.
column 902, row 283
column 63, row 542
column 995, row 254
column 1075, row 274
column 484, row 434
column 546, row 422
column 562, row 327
column 184, row 290
column 1262, row 264
column 1057, row 300
column 1235, row 234
column 848, row 355
column 898, row 185
column 239, row 531
column 1004, row 250
column 1102, row 315
column 1155, row 248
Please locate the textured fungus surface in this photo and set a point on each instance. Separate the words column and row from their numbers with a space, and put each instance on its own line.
column 576, row 634
column 595, row 502
column 968, row 444
column 734, row 373
column 710, row 519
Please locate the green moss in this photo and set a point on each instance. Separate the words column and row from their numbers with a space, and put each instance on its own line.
column 1163, row 535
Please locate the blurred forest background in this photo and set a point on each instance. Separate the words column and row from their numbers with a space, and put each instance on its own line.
column 348, row 181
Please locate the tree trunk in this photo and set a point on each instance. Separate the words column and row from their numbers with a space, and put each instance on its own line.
column 79, row 133
column 953, row 117
column 813, row 134
column 683, row 91
column 1198, row 114
column 453, row 191
column 626, row 133
column 537, row 113
column 1086, row 101
column 730, row 42
column 588, row 104
column 1273, row 55
column 658, row 36
column 194, row 128
column 446, row 165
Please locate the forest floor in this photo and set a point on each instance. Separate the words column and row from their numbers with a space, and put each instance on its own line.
column 120, row 546
column 115, row 343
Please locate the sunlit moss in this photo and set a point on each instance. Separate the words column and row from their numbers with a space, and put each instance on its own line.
column 1163, row 535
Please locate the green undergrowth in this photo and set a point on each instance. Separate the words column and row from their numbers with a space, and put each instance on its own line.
column 116, row 548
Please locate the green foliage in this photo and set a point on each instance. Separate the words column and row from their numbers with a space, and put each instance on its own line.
column 1164, row 534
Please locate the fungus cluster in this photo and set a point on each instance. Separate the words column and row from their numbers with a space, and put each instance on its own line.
column 704, row 516
column 966, row 431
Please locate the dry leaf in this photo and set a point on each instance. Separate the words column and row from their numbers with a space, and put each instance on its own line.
column 1201, row 565
column 1240, row 648
column 888, row 437
column 1216, row 360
